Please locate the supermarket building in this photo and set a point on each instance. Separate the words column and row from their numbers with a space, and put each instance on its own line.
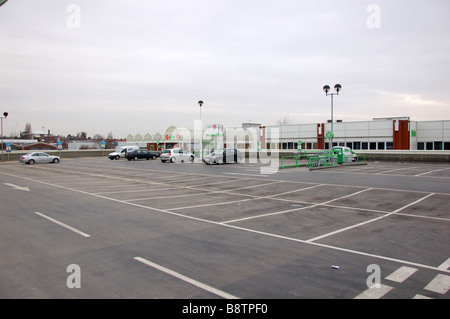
column 380, row 134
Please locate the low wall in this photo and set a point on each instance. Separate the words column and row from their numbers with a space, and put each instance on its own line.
column 394, row 156
column 407, row 156
column 15, row 155
column 397, row 156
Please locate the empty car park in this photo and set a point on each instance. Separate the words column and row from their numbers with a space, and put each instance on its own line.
column 151, row 230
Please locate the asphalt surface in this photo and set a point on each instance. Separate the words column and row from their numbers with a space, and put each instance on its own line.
column 96, row 228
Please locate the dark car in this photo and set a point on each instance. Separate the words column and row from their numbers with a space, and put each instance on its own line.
column 137, row 154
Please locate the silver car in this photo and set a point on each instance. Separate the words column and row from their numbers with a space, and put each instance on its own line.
column 228, row 155
column 176, row 155
column 39, row 157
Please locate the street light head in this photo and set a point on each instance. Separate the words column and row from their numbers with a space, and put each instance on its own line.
column 5, row 114
column 326, row 88
column 200, row 103
column 338, row 87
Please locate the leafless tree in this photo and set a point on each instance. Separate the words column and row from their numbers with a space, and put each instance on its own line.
column 285, row 120
column 27, row 132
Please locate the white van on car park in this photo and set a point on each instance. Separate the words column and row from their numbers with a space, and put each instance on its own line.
column 121, row 151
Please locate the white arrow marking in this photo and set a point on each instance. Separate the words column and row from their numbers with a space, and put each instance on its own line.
column 18, row 187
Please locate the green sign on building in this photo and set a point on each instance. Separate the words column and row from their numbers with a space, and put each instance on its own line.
column 329, row 135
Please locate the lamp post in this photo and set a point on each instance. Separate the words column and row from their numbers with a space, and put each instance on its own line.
column 200, row 103
column 326, row 89
column 5, row 115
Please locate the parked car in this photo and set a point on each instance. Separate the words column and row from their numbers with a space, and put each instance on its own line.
column 137, row 154
column 228, row 155
column 121, row 151
column 348, row 154
column 176, row 155
column 39, row 157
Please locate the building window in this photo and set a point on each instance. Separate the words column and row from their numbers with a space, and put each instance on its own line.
column 438, row 146
column 429, row 146
column 421, row 146
column 389, row 145
column 356, row 145
column 365, row 145
column 381, row 145
column 350, row 145
column 447, row 146
column 291, row 146
column 373, row 145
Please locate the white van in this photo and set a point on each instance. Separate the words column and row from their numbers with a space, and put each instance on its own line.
column 121, row 151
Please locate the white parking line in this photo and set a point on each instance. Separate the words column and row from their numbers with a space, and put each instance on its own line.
column 445, row 265
column 63, row 225
column 168, row 196
column 374, row 292
column 392, row 170
column 242, row 174
column 401, row 274
column 440, row 284
column 264, row 215
column 368, row 221
column 212, row 204
column 253, row 186
column 435, row 170
column 213, row 182
column 136, row 191
column 294, row 209
column 194, row 282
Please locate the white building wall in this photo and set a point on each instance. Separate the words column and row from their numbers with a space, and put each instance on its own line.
column 433, row 131
column 433, row 135
column 367, row 131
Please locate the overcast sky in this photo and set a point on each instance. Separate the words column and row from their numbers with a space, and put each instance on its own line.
column 140, row 66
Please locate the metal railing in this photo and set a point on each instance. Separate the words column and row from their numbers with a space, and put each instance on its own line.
column 296, row 157
column 325, row 158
